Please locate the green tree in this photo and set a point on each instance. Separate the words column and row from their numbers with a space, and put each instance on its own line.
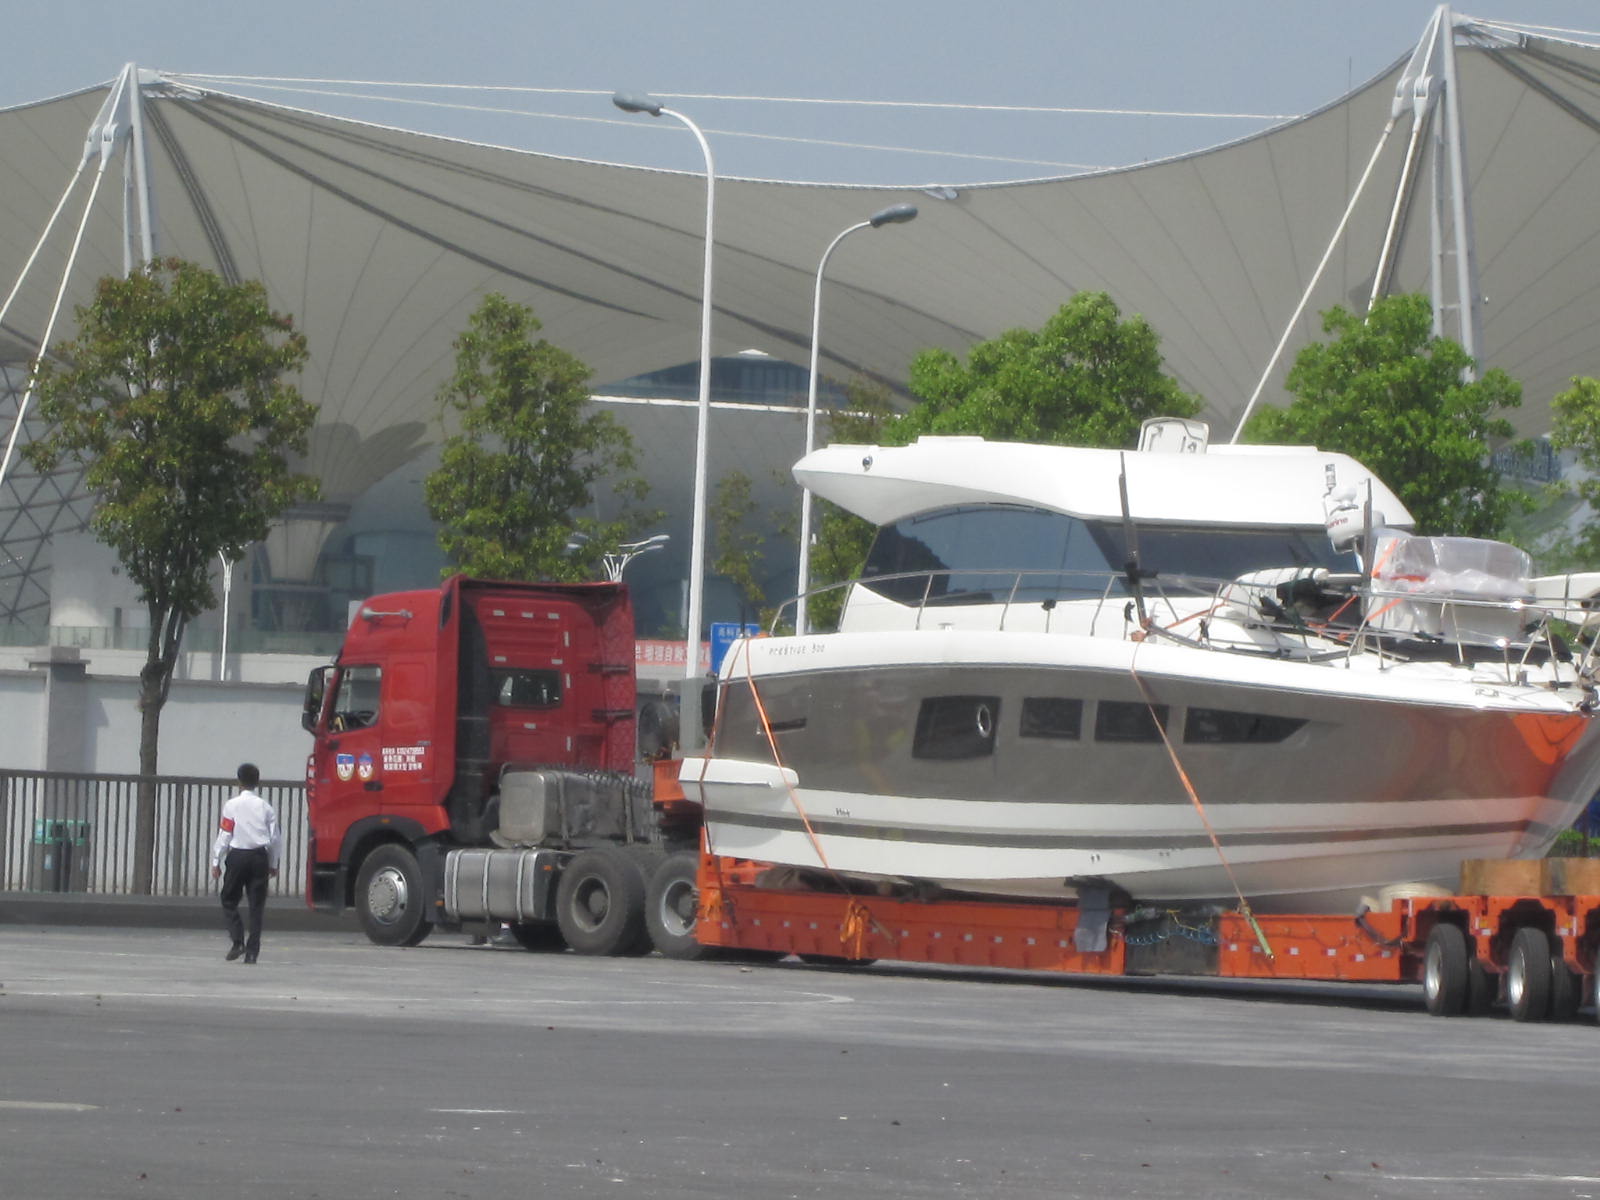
column 1575, row 417
column 1087, row 377
column 737, row 542
column 1388, row 392
column 525, row 457
column 171, row 399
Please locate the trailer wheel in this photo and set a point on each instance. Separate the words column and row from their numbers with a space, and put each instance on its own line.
column 1528, row 975
column 390, row 897
column 1482, row 988
column 537, row 935
column 600, row 903
column 671, row 904
column 1566, row 989
column 1445, row 971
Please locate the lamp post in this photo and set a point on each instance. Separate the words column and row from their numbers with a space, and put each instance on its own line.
column 897, row 214
column 616, row 561
column 690, row 727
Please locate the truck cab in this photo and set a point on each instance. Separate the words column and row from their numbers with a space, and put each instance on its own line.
column 440, row 704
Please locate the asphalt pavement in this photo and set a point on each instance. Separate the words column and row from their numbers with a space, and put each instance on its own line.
column 137, row 1063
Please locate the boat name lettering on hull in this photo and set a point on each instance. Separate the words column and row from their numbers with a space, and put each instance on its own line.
column 792, row 649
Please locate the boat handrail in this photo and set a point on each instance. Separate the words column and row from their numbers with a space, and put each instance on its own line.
column 1162, row 588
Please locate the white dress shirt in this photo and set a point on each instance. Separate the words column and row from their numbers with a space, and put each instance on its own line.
column 248, row 823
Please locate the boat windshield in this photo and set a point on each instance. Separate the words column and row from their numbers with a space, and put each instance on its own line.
column 976, row 554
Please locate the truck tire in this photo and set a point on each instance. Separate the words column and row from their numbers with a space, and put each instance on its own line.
column 1482, row 988
column 671, row 905
column 1445, row 971
column 1528, row 975
column 390, row 897
column 600, row 903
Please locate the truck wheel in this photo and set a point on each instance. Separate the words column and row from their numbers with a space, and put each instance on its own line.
column 1444, row 971
column 537, row 935
column 390, row 897
column 670, row 907
column 1528, row 975
column 600, row 903
column 1482, row 988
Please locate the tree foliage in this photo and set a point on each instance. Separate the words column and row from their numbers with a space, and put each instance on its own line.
column 172, row 400
column 1087, row 377
column 1575, row 415
column 737, row 541
column 523, row 462
column 1385, row 390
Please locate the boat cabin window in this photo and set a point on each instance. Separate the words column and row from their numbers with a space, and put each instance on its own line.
column 1128, row 721
column 523, row 688
column 1220, row 726
column 979, row 554
column 951, row 727
column 1051, row 717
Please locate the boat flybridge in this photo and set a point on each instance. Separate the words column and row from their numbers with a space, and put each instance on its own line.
column 1180, row 673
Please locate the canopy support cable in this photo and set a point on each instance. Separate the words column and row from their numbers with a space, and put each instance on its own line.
column 1316, row 278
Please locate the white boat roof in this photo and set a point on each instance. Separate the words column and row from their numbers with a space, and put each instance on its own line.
column 1255, row 486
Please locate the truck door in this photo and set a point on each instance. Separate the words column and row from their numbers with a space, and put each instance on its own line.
column 348, row 751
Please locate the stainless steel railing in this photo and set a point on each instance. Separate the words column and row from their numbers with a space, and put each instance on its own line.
column 62, row 831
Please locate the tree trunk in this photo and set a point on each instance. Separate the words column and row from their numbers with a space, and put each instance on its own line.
column 144, row 827
column 155, row 678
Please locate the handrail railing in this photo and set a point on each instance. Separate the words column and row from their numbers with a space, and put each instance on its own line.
column 62, row 831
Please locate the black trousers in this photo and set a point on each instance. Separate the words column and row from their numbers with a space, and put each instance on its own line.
column 244, row 874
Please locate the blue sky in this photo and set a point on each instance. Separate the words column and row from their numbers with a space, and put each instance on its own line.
column 1244, row 56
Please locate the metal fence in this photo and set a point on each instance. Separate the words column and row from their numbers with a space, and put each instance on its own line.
column 65, row 832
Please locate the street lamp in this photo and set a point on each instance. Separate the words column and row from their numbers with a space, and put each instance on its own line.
column 897, row 214
column 692, row 733
column 616, row 561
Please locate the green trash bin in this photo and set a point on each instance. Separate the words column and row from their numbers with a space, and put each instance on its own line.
column 59, row 861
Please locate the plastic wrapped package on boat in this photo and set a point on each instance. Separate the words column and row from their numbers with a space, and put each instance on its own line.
column 1455, row 588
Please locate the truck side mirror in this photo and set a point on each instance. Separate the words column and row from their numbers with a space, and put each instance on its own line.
column 316, row 689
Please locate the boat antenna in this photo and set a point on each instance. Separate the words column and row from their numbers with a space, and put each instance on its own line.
column 1130, row 538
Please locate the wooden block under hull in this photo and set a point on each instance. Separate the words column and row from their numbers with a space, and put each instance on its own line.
column 1530, row 877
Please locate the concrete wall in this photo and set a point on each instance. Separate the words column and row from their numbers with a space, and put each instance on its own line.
column 80, row 714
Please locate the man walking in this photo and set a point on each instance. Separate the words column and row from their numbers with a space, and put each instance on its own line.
column 244, row 857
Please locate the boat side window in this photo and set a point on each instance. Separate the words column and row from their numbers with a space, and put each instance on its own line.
column 1219, row 554
column 1051, row 717
column 1221, row 726
column 1128, row 721
column 990, row 553
column 355, row 698
column 523, row 688
column 952, row 727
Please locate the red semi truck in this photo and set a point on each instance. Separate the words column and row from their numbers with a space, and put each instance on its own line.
column 476, row 760
column 474, row 763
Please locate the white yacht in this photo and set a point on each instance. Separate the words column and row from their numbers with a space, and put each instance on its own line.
column 1181, row 673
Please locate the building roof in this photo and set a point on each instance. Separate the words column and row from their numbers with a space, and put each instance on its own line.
column 381, row 241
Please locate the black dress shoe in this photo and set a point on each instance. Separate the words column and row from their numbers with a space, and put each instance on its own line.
column 249, row 959
column 234, row 952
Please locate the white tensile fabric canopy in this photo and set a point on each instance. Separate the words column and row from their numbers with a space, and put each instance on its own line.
column 382, row 241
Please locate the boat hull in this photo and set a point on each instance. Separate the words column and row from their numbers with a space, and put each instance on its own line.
column 980, row 766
